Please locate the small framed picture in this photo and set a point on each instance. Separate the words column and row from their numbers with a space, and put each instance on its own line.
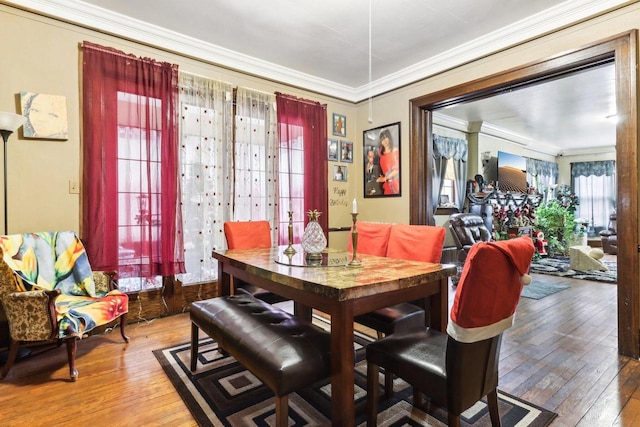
column 339, row 125
column 346, row 151
column 339, row 173
column 332, row 150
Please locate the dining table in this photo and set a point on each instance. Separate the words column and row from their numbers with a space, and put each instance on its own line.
column 342, row 287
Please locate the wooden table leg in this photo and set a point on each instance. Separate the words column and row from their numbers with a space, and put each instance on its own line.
column 302, row 311
column 439, row 307
column 224, row 280
column 342, row 367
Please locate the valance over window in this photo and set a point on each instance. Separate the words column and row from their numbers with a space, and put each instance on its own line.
column 600, row 168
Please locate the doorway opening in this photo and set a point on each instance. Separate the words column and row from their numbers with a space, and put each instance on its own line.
column 621, row 51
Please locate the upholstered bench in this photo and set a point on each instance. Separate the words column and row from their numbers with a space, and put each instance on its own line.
column 286, row 353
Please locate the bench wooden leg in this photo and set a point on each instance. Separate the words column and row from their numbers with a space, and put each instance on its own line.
column 194, row 346
column 282, row 411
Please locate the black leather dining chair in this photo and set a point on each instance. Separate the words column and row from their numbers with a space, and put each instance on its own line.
column 457, row 369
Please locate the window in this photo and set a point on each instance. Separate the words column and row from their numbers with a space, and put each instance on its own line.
column 139, row 190
column 595, row 185
column 131, row 217
column 291, row 189
column 448, row 192
column 302, row 133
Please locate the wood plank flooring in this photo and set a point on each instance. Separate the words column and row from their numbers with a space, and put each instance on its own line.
column 561, row 354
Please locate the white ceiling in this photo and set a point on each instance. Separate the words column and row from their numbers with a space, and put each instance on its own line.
column 323, row 46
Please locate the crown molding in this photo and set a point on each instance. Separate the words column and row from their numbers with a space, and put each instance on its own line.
column 89, row 16
column 450, row 122
column 557, row 17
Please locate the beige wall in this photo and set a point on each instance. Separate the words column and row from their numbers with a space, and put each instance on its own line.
column 394, row 106
column 43, row 56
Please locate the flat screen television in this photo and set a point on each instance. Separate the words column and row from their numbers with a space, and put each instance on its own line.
column 512, row 173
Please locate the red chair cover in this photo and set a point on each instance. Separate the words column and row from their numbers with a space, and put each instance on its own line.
column 247, row 234
column 416, row 242
column 373, row 238
column 489, row 289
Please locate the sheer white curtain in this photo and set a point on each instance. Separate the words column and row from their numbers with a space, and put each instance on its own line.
column 206, row 137
column 256, row 158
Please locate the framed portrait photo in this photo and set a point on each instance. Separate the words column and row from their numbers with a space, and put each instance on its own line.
column 339, row 125
column 381, row 161
column 346, row 151
column 332, row 150
column 340, row 173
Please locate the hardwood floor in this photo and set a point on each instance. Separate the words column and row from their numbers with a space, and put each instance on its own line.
column 561, row 354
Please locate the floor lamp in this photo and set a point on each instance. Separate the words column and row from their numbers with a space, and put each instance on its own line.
column 9, row 123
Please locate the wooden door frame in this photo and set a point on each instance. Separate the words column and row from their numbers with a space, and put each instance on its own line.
column 621, row 50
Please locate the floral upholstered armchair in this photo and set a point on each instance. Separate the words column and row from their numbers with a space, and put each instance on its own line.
column 49, row 293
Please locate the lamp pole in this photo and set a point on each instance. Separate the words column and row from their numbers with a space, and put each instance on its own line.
column 9, row 122
column 5, row 138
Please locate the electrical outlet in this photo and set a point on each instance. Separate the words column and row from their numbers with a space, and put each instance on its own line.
column 74, row 187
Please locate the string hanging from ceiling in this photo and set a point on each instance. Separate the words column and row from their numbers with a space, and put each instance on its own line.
column 370, row 100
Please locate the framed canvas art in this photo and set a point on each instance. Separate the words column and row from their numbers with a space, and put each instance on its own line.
column 46, row 116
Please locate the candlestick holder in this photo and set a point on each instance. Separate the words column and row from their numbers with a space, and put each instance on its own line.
column 290, row 250
column 355, row 262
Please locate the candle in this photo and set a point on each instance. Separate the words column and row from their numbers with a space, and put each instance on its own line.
column 290, row 206
column 355, row 206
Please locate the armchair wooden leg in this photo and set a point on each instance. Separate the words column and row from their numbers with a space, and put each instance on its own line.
column 13, row 353
column 492, row 402
column 71, row 355
column 123, row 322
column 372, row 394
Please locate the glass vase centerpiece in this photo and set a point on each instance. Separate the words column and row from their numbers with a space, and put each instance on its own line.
column 313, row 238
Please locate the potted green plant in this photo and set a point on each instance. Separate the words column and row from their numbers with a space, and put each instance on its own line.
column 556, row 222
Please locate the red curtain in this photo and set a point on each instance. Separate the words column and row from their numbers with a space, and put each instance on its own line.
column 293, row 114
column 131, row 216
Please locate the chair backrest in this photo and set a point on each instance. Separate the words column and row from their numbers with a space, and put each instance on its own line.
column 373, row 238
column 49, row 260
column 416, row 242
column 467, row 229
column 489, row 289
column 613, row 223
column 247, row 234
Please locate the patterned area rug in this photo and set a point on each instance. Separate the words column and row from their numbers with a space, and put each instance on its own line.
column 222, row 392
column 559, row 266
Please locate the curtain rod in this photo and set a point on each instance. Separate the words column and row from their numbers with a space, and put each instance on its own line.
column 122, row 54
column 304, row 101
